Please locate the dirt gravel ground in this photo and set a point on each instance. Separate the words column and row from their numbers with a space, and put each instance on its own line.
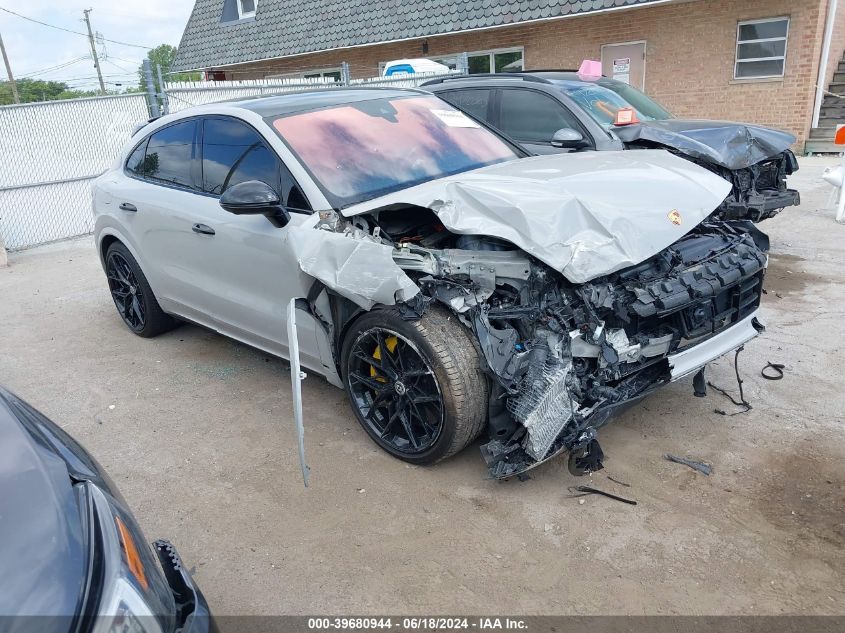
column 197, row 432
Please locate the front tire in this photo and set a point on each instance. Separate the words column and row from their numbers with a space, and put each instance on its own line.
column 416, row 387
column 134, row 299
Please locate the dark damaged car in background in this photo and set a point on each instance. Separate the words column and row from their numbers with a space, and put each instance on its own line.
column 452, row 285
column 561, row 111
column 73, row 559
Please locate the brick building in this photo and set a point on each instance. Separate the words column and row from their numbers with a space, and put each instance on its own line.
column 750, row 60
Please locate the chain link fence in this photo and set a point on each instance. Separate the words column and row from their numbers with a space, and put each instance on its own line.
column 182, row 95
column 49, row 154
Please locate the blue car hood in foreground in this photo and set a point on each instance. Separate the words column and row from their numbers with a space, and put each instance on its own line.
column 731, row 145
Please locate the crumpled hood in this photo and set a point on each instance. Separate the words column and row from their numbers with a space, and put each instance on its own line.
column 585, row 214
column 731, row 145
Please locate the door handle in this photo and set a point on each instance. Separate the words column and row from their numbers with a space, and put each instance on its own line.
column 203, row 229
column 126, row 206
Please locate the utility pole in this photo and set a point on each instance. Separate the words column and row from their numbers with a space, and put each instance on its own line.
column 94, row 51
column 151, row 89
column 15, row 94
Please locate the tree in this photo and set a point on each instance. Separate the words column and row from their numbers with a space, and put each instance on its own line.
column 32, row 90
column 164, row 55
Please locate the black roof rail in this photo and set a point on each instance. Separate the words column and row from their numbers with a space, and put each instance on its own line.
column 554, row 70
column 551, row 70
column 523, row 76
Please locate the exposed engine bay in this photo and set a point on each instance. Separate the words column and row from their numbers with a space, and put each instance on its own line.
column 562, row 357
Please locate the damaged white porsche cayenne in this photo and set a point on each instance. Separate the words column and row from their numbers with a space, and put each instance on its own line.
column 451, row 285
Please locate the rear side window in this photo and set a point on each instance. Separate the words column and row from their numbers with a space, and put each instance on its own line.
column 169, row 156
column 527, row 115
column 474, row 101
column 135, row 162
column 233, row 153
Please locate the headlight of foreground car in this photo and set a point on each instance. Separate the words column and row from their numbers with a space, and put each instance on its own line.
column 134, row 596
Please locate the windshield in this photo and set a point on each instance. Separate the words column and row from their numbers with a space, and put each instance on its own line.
column 602, row 99
column 363, row 150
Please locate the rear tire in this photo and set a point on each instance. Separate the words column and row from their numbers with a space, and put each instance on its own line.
column 134, row 299
column 416, row 387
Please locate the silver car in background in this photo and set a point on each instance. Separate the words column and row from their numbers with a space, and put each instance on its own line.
column 453, row 286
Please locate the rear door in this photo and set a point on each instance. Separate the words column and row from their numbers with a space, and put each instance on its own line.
column 531, row 117
column 160, row 198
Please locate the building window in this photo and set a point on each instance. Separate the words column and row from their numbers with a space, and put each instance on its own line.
column 761, row 48
column 334, row 74
column 246, row 8
column 502, row 60
column 328, row 73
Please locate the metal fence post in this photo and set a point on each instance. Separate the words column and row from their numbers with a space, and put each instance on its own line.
column 463, row 64
column 165, row 105
column 4, row 259
column 344, row 73
column 152, row 97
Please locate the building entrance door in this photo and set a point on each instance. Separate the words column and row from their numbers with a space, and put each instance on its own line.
column 624, row 62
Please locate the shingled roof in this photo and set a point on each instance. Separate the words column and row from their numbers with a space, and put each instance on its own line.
column 291, row 27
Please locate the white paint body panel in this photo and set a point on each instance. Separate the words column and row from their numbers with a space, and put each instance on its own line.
column 584, row 214
column 691, row 360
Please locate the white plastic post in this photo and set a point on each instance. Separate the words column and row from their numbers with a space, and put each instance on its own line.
column 840, row 205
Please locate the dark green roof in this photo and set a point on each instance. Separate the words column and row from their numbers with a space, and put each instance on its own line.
column 280, row 28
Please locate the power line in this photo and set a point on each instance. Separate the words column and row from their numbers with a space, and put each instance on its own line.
column 109, row 61
column 60, row 28
column 44, row 71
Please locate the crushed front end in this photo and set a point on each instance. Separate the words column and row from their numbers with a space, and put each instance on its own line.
column 563, row 358
column 759, row 191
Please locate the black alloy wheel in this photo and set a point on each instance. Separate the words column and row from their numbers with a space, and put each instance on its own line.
column 126, row 292
column 395, row 392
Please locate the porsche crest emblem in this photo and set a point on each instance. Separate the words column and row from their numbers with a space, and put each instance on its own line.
column 675, row 217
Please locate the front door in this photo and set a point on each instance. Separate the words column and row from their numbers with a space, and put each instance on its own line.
column 624, row 62
column 243, row 269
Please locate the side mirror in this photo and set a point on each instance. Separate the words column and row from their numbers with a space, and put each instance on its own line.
column 568, row 138
column 254, row 197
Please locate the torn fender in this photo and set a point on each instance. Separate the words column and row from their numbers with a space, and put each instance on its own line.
column 585, row 214
column 731, row 145
column 354, row 266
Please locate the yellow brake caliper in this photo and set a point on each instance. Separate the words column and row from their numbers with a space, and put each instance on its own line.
column 391, row 342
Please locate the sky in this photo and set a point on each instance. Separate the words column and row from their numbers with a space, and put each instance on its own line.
column 32, row 48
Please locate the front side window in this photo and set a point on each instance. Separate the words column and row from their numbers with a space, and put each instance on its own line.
column 603, row 98
column 359, row 151
column 761, row 48
column 531, row 116
column 473, row 101
column 233, row 153
column 170, row 154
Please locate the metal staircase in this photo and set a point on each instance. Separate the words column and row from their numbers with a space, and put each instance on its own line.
column 832, row 114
